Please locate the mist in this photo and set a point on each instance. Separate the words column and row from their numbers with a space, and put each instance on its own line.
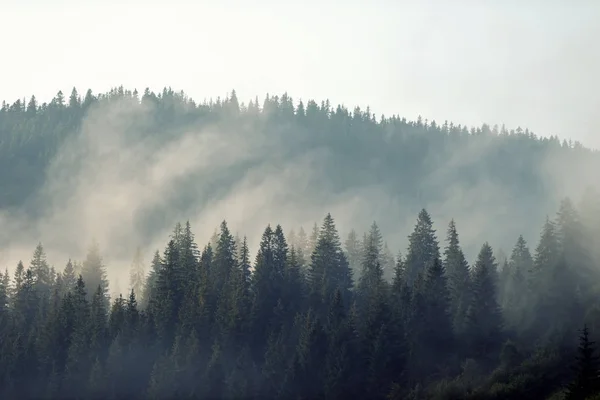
column 123, row 181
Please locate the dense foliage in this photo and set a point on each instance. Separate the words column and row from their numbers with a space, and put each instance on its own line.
column 302, row 323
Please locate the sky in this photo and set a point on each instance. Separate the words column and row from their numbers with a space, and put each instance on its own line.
column 532, row 65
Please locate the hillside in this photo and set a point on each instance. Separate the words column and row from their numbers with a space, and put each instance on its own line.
column 424, row 305
column 126, row 165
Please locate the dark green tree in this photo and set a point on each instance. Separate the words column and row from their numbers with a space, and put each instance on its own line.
column 484, row 316
column 458, row 279
column 423, row 247
column 587, row 378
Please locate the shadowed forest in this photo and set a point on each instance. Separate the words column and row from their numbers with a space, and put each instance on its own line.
column 312, row 314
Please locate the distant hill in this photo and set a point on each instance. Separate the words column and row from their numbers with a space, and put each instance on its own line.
column 304, row 158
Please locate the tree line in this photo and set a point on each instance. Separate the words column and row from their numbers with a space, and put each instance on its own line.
column 310, row 318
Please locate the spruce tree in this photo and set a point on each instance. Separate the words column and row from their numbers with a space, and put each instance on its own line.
column 458, row 279
column 484, row 316
column 353, row 250
column 137, row 273
column 68, row 276
column 329, row 269
column 516, row 294
column 93, row 272
column 152, row 279
column 41, row 271
column 423, row 247
column 587, row 379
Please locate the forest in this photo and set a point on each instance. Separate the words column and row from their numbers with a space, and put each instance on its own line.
column 317, row 314
column 310, row 318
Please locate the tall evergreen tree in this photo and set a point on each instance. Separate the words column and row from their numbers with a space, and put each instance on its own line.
column 41, row 271
column 137, row 273
column 423, row 247
column 93, row 271
column 152, row 279
column 328, row 269
column 587, row 379
column 353, row 248
column 458, row 279
column 516, row 294
column 484, row 316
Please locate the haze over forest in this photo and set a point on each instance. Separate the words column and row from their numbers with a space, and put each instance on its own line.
column 363, row 303
column 120, row 167
column 399, row 200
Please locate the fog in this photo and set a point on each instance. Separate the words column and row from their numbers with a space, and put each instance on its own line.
column 528, row 65
column 114, row 184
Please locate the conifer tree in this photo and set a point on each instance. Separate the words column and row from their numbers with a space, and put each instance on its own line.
column 137, row 273
column 553, row 286
column 19, row 276
column 26, row 303
column 387, row 263
column 458, row 279
column 41, row 271
column 223, row 265
column 152, row 278
column 329, row 269
column 353, row 248
column 341, row 351
column 587, row 379
column 422, row 248
column 93, row 271
column 313, row 239
column 484, row 317
column 266, row 287
column 439, row 334
column 168, row 295
column 303, row 248
column 516, row 291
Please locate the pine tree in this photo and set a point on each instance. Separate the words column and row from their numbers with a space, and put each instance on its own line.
column 294, row 288
column 152, row 279
column 4, row 297
column 223, row 264
column 305, row 377
column 19, row 276
column 313, row 239
column 516, row 291
column 329, row 269
column 587, row 380
column 168, row 295
column 341, row 351
column 26, row 303
column 77, row 368
column 303, row 248
column 98, row 319
column 387, row 263
column 423, row 247
column 41, row 271
column 137, row 273
column 439, row 332
column 93, row 271
column 354, row 255
column 189, row 254
column 458, row 279
column 484, row 317
column 553, row 286
column 266, row 287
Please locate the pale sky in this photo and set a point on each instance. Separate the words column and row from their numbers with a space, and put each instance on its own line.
column 533, row 65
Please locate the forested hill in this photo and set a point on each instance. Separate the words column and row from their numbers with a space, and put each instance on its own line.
column 312, row 315
column 498, row 182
